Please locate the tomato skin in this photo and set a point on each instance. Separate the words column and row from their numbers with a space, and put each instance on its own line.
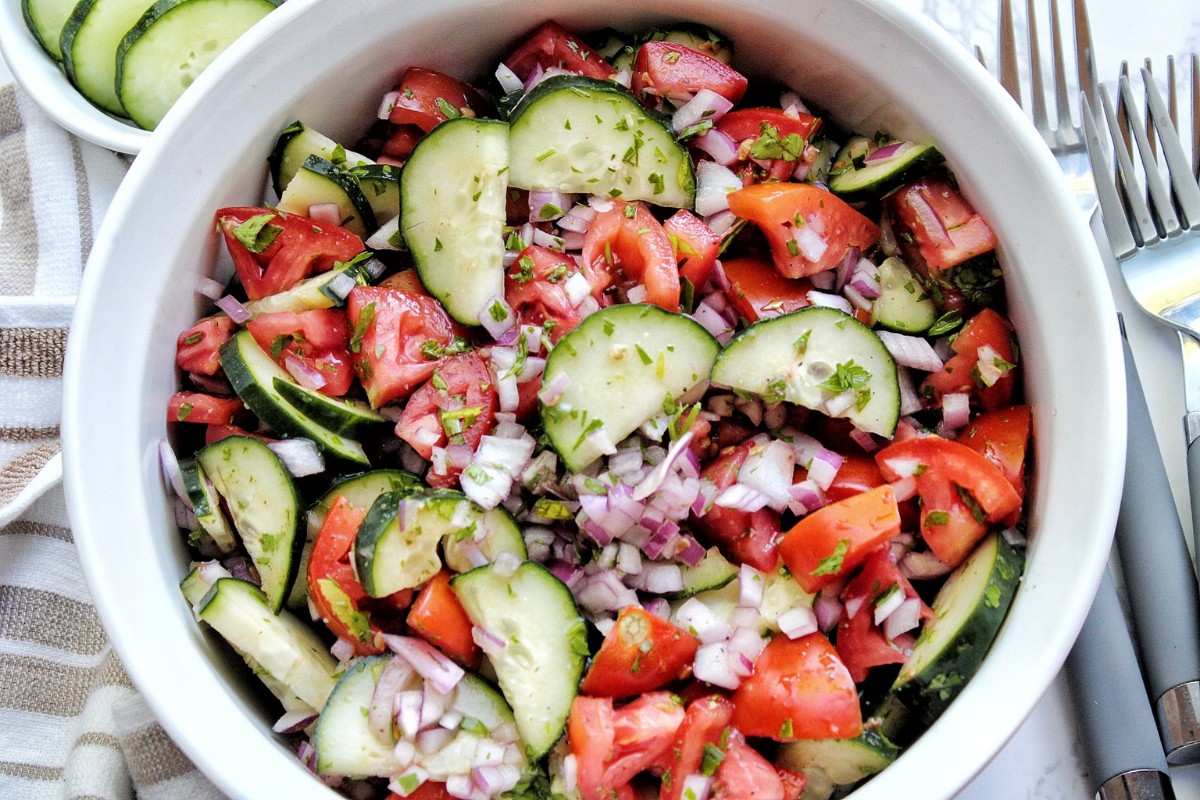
column 743, row 124
column 642, row 652
column 696, row 246
column 389, row 358
column 626, row 241
column 400, row 143
column 301, row 248
column 853, row 527
column 459, row 383
column 942, row 226
column 745, row 775
column 552, row 45
column 612, row 746
column 800, row 689
column 860, row 642
column 858, row 473
column 429, row 790
column 987, row 328
column 774, row 207
column 747, row 537
column 205, row 409
column 320, row 338
column 676, row 72
column 793, row 783
column 1002, row 437
column 757, row 291
column 533, row 288
column 424, row 96
column 948, row 525
column 704, row 722
column 439, row 618
column 198, row 348
column 330, row 562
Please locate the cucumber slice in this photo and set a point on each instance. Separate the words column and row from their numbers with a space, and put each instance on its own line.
column 344, row 742
column 397, row 546
column 621, row 364
column 320, row 182
column 254, row 377
column 200, row 579
column 853, row 178
column 836, row 762
column 360, row 490
column 46, row 19
column 453, row 194
column 90, row 40
column 546, row 643
column 713, row 572
column 281, row 646
column 968, row 611
column 206, row 505
column 902, row 304
column 819, row 358
column 780, row 595
column 296, row 143
column 332, row 413
column 265, row 507
column 380, row 184
column 590, row 136
column 171, row 45
column 312, row 293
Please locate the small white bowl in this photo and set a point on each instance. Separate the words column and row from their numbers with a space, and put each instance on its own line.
column 328, row 62
column 43, row 80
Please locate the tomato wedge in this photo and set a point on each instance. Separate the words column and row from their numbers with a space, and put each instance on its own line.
column 641, row 653
column 833, row 540
column 939, row 222
column 552, row 45
column 744, row 772
column 612, row 746
column 808, row 228
column 273, row 250
column 438, row 617
column 627, row 245
column 1002, row 437
column 747, row 537
column 426, row 97
column 198, row 348
column 696, row 246
column 800, row 689
column 704, row 724
column 757, row 291
column 399, row 339
column 534, row 288
column 989, row 373
column 676, row 72
column 457, row 405
column 332, row 587
column 319, row 339
column 205, row 409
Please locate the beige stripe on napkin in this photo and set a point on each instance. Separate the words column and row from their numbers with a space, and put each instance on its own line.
column 18, row 228
column 32, row 352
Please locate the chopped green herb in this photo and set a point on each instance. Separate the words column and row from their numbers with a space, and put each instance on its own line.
column 365, row 317
column 256, row 234
column 832, row 563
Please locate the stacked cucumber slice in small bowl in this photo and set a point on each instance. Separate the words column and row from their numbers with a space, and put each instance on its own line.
column 134, row 58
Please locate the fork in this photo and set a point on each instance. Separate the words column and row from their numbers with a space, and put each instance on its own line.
column 1153, row 237
column 1065, row 136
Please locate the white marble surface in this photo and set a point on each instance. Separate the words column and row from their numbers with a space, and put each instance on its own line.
column 1043, row 761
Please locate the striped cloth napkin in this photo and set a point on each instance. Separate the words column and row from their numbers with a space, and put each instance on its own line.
column 71, row 723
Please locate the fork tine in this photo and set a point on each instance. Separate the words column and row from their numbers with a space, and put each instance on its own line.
column 1187, row 193
column 1116, row 226
column 1147, row 68
column 1062, row 102
column 1037, row 88
column 1010, row 74
column 1164, row 211
column 1085, row 58
column 1172, row 93
column 1144, row 228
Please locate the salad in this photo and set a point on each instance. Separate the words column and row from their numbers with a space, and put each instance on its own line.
column 625, row 430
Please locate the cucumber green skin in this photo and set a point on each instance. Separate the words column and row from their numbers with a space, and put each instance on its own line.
column 596, row 385
column 503, row 536
column 362, row 222
column 853, row 186
column 71, row 30
column 206, row 506
column 697, row 37
column 361, row 490
column 763, row 343
column 346, row 417
column 309, row 293
column 162, row 11
column 343, row 724
column 929, row 690
column 713, row 572
column 903, row 304
column 234, row 465
column 529, row 133
column 380, row 184
column 252, row 374
column 542, row 684
column 47, row 31
column 843, row 761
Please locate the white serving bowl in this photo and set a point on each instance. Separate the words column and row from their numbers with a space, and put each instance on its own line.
column 328, row 62
column 44, row 81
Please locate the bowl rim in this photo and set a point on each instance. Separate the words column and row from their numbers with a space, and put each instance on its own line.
column 43, row 79
column 1040, row 668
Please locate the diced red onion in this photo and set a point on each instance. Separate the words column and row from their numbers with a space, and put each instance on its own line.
column 692, row 553
column 209, row 288
column 721, row 223
column 713, row 322
column 705, row 495
column 387, row 104
column 956, row 410
column 712, row 665
column 701, row 621
column 589, row 306
column 806, row 497
column 654, row 480
column 495, row 780
column 505, row 565
column 910, row 400
column 904, row 618
column 636, row 293
column 406, row 708
column 496, row 327
column 706, row 105
column 460, row 786
column 1014, row 537
column 294, row 721
column 988, row 367
column 890, row 603
column 234, row 308
column 854, row 605
column 812, row 245
column 743, row 498
column 797, row 622
column 864, row 279
column 548, row 240
column 823, row 467
column 658, row 606
column 302, row 457
column 905, row 488
column 547, row 204
column 577, row 218
column 744, row 647
column 719, row 145
column 828, row 300
column 604, row 591
column 570, row 773
column 828, row 610
column 508, row 79
column 433, row 739
column 885, row 152
column 750, row 586
column 552, row 392
column 171, row 471
column 911, row 351
column 697, row 787
column 327, row 213
column 921, row 565
column 628, row 559
column 768, row 470
column 657, row 578
column 840, row 404
column 863, row 440
column 429, row 662
column 714, row 182
column 305, row 375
